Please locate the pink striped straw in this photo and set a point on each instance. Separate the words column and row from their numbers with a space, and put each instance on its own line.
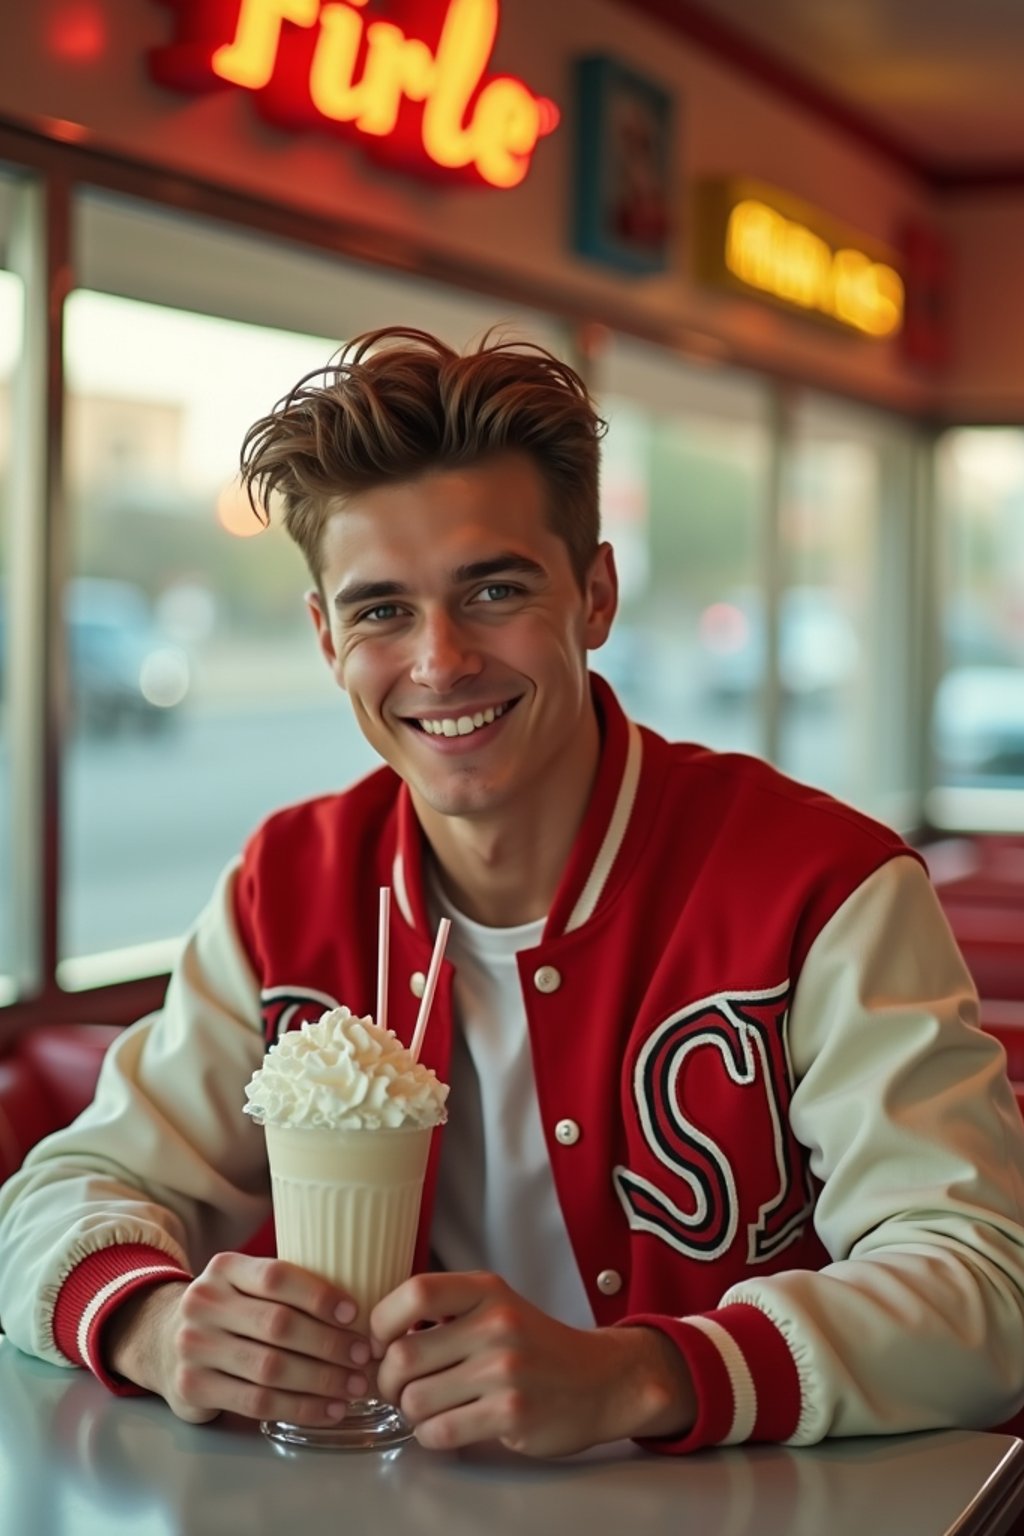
column 430, row 988
column 383, row 945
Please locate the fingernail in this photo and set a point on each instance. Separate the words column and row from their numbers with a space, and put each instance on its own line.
column 357, row 1385
column 360, row 1352
column 345, row 1311
column 336, row 1410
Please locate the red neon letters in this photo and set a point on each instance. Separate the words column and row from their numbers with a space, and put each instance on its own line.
column 413, row 87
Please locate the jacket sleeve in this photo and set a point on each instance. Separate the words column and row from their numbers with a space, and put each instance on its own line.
column 912, row 1130
column 160, row 1172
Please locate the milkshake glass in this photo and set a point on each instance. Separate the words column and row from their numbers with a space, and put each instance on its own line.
column 348, row 1117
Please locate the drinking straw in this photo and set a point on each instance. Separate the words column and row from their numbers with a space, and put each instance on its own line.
column 383, row 939
column 430, row 987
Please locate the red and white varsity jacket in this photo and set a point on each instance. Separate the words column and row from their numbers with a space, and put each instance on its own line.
column 775, row 1130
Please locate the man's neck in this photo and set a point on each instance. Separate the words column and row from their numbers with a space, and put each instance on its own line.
column 503, row 871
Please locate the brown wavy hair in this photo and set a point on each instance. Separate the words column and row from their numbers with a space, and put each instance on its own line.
column 398, row 403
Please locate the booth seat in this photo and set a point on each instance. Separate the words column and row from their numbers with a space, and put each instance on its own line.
column 45, row 1081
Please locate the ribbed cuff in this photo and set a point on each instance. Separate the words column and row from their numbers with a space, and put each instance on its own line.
column 744, row 1377
column 94, row 1290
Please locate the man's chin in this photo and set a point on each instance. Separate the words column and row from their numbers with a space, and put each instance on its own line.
column 457, row 800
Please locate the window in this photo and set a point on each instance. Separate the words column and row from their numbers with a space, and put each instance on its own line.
column 684, row 480
column 200, row 701
column 978, row 715
column 844, row 634
column 11, row 331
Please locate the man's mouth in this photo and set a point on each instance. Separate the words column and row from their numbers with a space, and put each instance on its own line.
column 461, row 722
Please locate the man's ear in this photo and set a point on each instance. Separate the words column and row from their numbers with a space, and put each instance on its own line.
column 601, row 591
column 325, row 640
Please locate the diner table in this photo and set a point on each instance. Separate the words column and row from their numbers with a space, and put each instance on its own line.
column 77, row 1461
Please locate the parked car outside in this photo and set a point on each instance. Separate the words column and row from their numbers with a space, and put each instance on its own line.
column 123, row 673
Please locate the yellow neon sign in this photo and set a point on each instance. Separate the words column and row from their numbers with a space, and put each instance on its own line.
column 780, row 254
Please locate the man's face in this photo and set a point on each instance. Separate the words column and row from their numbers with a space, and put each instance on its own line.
column 459, row 631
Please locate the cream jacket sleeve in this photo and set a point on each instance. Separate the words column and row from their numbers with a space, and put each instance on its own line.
column 916, row 1137
column 164, row 1155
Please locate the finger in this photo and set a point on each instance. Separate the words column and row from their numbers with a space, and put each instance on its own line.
column 248, row 1359
column 429, row 1298
column 424, row 1397
column 206, row 1318
column 424, row 1354
column 279, row 1280
column 219, row 1390
column 487, row 1418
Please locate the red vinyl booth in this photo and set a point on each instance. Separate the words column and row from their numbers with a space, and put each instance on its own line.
column 45, row 1081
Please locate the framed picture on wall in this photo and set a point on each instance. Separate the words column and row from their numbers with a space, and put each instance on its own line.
column 623, row 173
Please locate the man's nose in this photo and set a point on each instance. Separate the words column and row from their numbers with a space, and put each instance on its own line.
column 443, row 656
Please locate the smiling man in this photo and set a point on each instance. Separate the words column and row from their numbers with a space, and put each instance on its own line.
column 449, row 610
column 728, row 1158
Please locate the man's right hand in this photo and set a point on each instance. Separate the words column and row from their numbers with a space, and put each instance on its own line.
column 258, row 1337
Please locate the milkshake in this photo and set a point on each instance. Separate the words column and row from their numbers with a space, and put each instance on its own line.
column 348, row 1114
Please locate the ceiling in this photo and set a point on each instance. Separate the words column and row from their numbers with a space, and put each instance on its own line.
column 941, row 80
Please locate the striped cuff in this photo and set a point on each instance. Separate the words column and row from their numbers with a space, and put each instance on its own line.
column 94, row 1290
column 744, row 1377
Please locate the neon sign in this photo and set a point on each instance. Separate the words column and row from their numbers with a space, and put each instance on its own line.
column 414, row 88
column 755, row 238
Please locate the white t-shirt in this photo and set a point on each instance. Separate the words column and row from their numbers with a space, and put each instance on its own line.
column 496, row 1207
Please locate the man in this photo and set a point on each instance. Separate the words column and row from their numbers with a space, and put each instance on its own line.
column 727, row 1156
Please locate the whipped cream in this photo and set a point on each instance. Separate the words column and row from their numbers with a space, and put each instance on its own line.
column 344, row 1073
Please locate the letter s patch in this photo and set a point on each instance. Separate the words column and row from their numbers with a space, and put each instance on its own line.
column 748, row 1031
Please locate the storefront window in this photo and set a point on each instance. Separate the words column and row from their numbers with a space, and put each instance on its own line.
column 683, row 487
column 198, row 699
column 10, row 354
column 844, row 621
column 978, row 714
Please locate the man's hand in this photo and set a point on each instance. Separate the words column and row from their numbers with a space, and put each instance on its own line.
column 495, row 1367
column 259, row 1337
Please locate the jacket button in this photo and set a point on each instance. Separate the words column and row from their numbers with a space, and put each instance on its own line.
column 547, row 979
column 417, row 983
column 609, row 1282
column 567, row 1132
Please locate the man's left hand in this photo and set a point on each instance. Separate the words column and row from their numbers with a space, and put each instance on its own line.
column 496, row 1368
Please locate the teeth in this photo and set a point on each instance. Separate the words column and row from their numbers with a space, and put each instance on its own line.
column 463, row 725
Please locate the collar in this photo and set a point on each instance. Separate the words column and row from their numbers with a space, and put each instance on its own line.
column 607, row 825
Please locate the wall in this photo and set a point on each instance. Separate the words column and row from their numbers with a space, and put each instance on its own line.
column 985, row 231
column 727, row 124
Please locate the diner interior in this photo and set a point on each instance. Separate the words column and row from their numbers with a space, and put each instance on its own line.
column 817, row 511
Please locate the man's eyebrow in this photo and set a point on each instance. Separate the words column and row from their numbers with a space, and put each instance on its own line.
column 368, row 592
column 498, row 565
column 477, row 570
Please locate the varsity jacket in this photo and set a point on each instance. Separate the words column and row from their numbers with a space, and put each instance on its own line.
column 775, row 1130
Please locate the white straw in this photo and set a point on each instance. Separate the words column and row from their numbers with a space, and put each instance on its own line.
column 383, row 940
column 430, row 988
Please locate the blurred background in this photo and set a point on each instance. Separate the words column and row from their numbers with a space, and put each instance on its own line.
column 785, row 245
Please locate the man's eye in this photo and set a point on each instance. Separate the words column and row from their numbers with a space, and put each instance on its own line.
column 497, row 591
column 381, row 614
